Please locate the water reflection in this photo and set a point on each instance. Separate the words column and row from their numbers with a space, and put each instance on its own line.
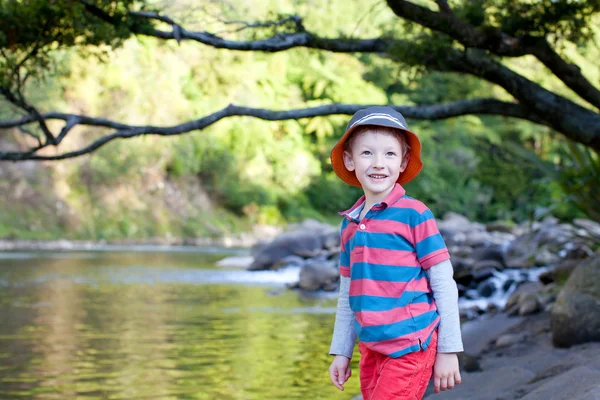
column 158, row 326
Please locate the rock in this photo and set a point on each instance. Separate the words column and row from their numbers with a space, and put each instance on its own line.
column 331, row 240
column 550, row 372
column 459, row 251
column 576, row 251
column 525, row 288
column 512, row 310
column 499, row 226
column 488, row 253
column 478, row 239
column 488, row 265
column 545, row 257
column 519, row 253
column 506, row 285
column 508, row 339
column 258, row 247
column 528, row 304
column 311, row 238
column 575, row 315
column 546, row 299
column 592, row 227
column 468, row 362
column 559, row 273
column 235, row 262
column 581, row 383
column 315, row 275
column 500, row 238
column 486, row 289
column 483, row 274
column 540, row 244
column 454, row 222
column 289, row 261
column 300, row 243
column 462, row 270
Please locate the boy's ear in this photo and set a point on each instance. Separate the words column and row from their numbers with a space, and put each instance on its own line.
column 348, row 161
column 404, row 163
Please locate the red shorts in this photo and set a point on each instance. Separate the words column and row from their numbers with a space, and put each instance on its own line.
column 406, row 377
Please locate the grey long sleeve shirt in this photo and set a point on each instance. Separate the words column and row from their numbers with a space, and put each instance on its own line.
column 445, row 294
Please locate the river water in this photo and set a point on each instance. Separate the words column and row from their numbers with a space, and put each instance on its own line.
column 158, row 325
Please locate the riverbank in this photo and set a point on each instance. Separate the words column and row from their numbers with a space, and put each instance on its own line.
column 520, row 362
column 513, row 358
column 239, row 240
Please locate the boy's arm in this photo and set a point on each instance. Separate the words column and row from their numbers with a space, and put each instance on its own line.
column 446, row 371
column 344, row 337
column 445, row 294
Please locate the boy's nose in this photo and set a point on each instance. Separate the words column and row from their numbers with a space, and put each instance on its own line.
column 378, row 162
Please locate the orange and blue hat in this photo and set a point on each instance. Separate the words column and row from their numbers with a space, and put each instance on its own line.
column 378, row 116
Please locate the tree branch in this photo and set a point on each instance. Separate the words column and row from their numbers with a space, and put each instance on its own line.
column 574, row 121
column 279, row 42
column 445, row 22
column 123, row 131
column 498, row 43
column 50, row 139
column 444, row 6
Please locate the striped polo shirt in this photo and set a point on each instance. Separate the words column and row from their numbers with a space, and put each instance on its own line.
column 386, row 254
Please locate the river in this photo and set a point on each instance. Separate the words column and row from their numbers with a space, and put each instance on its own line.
column 158, row 325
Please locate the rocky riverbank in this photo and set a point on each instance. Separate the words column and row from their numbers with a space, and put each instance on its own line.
column 521, row 362
column 514, row 358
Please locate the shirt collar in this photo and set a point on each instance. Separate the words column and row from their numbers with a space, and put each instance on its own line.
column 395, row 195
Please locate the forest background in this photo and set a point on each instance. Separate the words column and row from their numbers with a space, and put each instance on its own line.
column 243, row 171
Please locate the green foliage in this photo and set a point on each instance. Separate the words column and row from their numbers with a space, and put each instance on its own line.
column 31, row 31
column 580, row 179
column 272, row 172
column 329, row 195
column 570, row 20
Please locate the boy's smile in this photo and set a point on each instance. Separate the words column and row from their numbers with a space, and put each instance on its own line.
column 376, row 157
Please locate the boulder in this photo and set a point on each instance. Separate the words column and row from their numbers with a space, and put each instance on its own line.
column 478, row 239
column 454, row 222
column 581, row 383
column 489, row 253
column 560, row 273
column 591, row 227
column 545, row 257
column 487, row 265
column 468, row 363
column 316, row 275
column 486, row 289
column 499, row 226
column 529, row 304
column 523, row 291
column 299, row 243
column 509, row 339
column 540, row 244
column 309, row 239
column 520, row 253
column 575, row 316
column 459, row 251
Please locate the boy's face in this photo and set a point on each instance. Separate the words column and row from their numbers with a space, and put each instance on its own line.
column 376, row 159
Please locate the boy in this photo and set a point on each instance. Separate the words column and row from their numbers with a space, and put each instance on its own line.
column 397, row 293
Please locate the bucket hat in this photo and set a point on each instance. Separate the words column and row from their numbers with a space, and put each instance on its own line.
column 378, row 116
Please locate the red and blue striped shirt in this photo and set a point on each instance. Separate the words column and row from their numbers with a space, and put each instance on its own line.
column 386, row 254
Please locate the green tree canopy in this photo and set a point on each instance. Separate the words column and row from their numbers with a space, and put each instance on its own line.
column 473, row 38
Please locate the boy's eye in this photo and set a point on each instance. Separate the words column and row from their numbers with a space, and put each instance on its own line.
column 366, row 153
column 390, row 154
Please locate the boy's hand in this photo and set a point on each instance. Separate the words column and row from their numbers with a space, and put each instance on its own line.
column 339, row 371
column 445, row 372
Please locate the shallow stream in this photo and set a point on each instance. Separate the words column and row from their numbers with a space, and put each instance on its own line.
column 161, row 325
